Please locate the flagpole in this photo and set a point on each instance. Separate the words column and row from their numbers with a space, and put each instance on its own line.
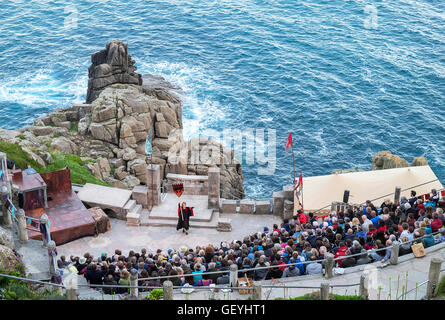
column 293, row 159
column 302, row 191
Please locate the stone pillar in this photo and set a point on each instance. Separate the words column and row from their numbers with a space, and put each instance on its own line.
column 257, row 294
column 44, row 221
column 168, row 290
column 288, row 209
column 20, row 214
column 324, row 290
column 433, row 277
column 278, row 203
column 363, row 291
column 214, row 181
column 134, row 292
column 395, row 252
column 7, row 219
column 233, row 275
column 329, row 265
column 71, row 293
column 52, row 266
column 397, row 195
column 288, row 192
column 153, row 185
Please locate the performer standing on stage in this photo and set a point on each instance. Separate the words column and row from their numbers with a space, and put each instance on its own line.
column 184, row 214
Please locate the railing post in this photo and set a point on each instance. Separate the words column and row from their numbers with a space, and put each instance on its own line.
column 21, row 222
column 363, row 291
column 329, row 265
column 134, row 282
column 433, row 278
column 324, row 290
column 397, row 195
column 233, row 275
column 7, row 220
column 257, row 294
column 44, row 222
column 51, row 250
column 168, row 290
column 394, row 252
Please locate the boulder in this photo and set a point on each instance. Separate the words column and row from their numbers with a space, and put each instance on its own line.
column 387, row 160
column 110, row 66
column 102, row 223
column 420, row 161
column 6, row 238
column 64, row 145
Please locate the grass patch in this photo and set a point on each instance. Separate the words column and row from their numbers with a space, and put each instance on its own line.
column 56, row 135
column 79, row 172
column 74, row 126
column 21, row 136
column 20, row 157
column 316, row 296
column 441, row 287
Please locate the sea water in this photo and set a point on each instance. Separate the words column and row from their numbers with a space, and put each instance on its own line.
column 348, row 77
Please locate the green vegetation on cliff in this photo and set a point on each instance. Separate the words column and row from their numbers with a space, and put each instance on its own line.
column 20, row 157
column 79, row 172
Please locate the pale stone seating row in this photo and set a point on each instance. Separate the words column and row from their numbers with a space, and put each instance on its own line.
column 245, row 206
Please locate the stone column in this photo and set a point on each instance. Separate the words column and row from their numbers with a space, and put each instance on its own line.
column 233, row 275
column 257, row 294
column 324, row 291
column 7, row 219
column 288, row 192
column 153, row 185
column 20, row 214
column 168, row 290
column 433, row 277
column 52, row 266
column 214, row 187
column 278, row 204
column 44, row 222
column 134, row 292
column 288, row 209
column 329, row 265
column 363, row 291
column 397, row 195
column 394, row 252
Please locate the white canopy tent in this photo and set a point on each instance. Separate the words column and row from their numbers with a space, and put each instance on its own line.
column 321, row 191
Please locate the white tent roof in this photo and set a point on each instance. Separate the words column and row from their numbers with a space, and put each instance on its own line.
column 321, row 191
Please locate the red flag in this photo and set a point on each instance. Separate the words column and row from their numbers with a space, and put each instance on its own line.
column 288, row 142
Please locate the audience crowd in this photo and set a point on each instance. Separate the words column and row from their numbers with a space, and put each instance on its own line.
column 350, row 236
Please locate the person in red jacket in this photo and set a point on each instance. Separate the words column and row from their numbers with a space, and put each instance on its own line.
column 341, row 252
column 301, row 217
column 436, row 224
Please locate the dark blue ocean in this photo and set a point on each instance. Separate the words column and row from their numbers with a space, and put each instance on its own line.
column 348, row 78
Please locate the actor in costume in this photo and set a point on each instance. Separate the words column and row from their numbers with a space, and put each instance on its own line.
column 184, row 214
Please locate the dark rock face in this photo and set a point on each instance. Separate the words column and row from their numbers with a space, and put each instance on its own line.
column 110, row 66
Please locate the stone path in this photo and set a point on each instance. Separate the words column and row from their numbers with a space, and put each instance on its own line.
column 150, row 237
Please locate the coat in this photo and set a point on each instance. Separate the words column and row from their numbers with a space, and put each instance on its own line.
column 184, row 219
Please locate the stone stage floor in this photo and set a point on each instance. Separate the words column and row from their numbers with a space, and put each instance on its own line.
column 150, row 237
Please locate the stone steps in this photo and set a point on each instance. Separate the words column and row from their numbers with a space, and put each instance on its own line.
column 169, row 222
column 133, row 214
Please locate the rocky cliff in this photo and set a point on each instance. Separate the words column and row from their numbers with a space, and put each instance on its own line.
column 111, row 131
column 387, row 160
column 110, row 66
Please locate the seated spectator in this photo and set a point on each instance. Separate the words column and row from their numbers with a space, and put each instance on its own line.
column 197, row 273
column 93, row 275
column 62, row 263
column 260, row 274
column 364, row 258
column 314, row 267
column 110, row 281
column 436, row 224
